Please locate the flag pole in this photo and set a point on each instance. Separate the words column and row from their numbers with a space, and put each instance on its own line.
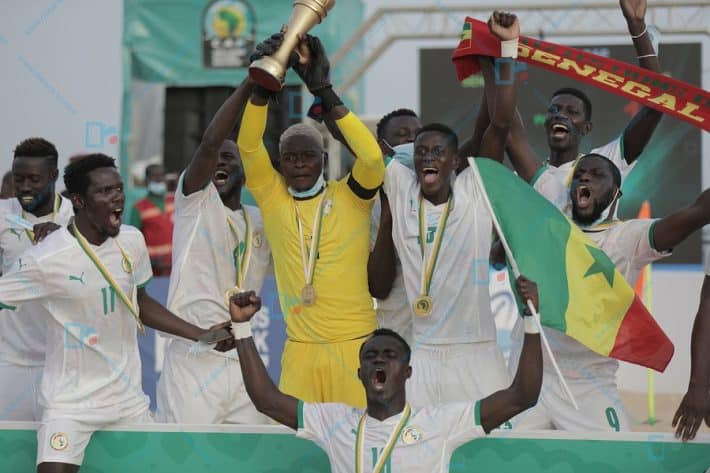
column 516, row 273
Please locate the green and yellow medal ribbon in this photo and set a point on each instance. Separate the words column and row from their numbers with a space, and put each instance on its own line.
column 428, row 266
column 55, row 209
column 389, row 446
column 241, row 258
column 308, row 258
column 125, row 263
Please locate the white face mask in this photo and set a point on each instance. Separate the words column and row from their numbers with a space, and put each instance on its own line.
column 605, row 213
column 404, row 153
column 157, row 188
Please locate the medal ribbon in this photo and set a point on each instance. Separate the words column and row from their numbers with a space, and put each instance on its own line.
column 428, row 267
column 241, row 260
column 55, row 209
column 107, row 276
column 389, row 446
column 309, row 261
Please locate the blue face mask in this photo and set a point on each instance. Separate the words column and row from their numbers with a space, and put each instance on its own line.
column 404, row 153
column 308, row 193
column 157, row 188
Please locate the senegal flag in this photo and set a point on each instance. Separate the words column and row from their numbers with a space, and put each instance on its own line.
column 581, row 292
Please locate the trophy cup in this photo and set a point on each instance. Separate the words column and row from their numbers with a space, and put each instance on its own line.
column 269, row 71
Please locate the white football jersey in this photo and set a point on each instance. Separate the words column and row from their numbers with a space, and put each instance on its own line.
column 553, row 181
column 204, row 256
column 459, row 287
column 92, row 361
column 426, row 443
column 707, row 263
column 23, row 333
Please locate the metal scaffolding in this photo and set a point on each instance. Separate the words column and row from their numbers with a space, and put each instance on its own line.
column 388, row 25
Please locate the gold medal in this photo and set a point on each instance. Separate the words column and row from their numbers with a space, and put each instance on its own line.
column 257, row 239
column 423, row 306
column 308, row 295
column 231, row 292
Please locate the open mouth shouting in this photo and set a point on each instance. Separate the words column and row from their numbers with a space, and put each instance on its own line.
column 114, row 218
column 584, row 196
column 559, row 131
column 379, row 378
column 429, row 174
column 220, row 177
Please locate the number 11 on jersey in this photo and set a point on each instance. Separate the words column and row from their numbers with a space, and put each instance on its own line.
column 108, row 295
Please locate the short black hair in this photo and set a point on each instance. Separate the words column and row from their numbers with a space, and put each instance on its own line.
column 385, row 332
column 580, row 95
column 400, row 112
column 616, row 174
column 76, row 174
column 444, row 130
column 149, row 167
column 37, row 148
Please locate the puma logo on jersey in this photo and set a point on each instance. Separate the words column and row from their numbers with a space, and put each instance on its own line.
column 17, row 233
column 78, row 278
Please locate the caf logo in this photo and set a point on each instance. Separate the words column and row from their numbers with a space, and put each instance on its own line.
column 228, row 33
column 59, row 441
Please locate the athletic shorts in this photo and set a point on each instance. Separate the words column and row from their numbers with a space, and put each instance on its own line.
column 462, row 372
column 19, row 395
column 63, row 436
column 323, row 372
column 203, row 388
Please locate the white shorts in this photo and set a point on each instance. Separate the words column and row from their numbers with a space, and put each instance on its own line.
column 20, row 392
column 455, row 373
column 203, row 388
column 600, row 407
column 63, row 435
column 399, row 320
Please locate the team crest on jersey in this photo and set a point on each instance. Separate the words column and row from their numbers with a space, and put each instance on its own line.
column 412, row 434
column 328, row 206
column 59, row 441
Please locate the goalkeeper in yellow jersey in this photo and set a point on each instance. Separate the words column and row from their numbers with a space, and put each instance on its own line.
column 318, row 232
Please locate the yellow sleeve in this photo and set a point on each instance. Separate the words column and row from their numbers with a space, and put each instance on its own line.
column 369, row 168
column 255, row 159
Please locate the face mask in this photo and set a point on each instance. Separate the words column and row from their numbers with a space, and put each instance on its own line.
column 157, row 188
column 605, row 213
column 308, row 193
column 404, row 153
column 40, row 198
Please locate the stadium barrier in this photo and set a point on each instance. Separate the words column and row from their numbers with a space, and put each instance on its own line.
column 169, row 448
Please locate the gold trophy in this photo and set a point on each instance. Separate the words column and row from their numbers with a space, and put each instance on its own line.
column 269, row 71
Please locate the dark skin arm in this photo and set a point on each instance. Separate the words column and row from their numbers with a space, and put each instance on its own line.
column 262, row 391
column 696, row 402
column 673, row 229
column 523, row 393
column 472, row 145
column 203, row 163
column 641, row 127
column 41, row 230
column 157, row 317
column 382, row 264
column 505, row 26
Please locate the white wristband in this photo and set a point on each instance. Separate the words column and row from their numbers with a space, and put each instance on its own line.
column 241, row 330
column 530, row 324
column 509, row 48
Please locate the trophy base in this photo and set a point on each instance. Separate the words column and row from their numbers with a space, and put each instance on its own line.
column 268, row 73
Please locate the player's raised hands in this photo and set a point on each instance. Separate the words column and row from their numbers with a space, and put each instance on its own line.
column 312, row 66
column 269, row 46
column 633, row 10
column 504, row 26
column 527, row 290
column 243, row 306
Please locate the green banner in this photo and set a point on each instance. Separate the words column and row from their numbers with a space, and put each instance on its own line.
column 189, row 452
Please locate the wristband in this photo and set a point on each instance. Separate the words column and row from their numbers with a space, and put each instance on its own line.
column 329, row 99
column 241, row 330
column 509, row 48
column 530, row 325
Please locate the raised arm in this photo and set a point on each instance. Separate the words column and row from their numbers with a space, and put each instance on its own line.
column 523, row 393
column 382, row 264
column 696, row 403
column 505, row 26
column 263, row 392
column 368, row 171
column 472, row 145
column 669, row 231
column 639, row 130
column 203, row 163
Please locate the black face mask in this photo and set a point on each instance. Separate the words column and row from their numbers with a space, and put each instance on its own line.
column 42, row 197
